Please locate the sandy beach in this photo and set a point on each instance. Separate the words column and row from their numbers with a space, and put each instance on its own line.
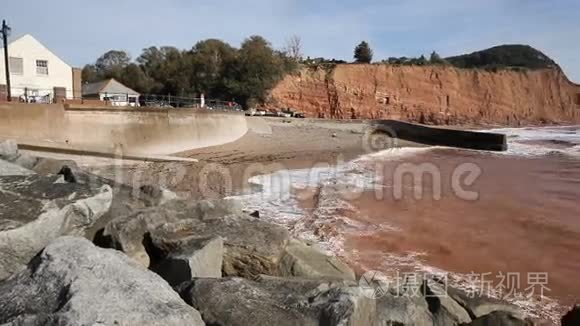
column 271, row 144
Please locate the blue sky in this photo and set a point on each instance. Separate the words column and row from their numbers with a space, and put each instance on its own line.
column 81, row 30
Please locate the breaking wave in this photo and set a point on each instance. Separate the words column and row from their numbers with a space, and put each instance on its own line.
column 313, row 203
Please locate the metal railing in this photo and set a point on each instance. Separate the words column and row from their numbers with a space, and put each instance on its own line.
column 154, row 100
column 36, row 95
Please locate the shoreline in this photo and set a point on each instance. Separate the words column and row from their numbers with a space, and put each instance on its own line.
column 270, row 153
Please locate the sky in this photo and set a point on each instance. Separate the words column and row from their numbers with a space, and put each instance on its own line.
column 79, row 31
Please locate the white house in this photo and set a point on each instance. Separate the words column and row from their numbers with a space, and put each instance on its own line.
column 35, row 72
column 113, row 91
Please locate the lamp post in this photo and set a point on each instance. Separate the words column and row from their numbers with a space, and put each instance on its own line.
column 5, row 31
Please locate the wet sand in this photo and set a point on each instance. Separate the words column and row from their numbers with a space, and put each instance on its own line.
column 289, row 144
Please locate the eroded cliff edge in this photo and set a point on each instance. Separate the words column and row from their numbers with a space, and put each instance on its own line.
column 431, row 94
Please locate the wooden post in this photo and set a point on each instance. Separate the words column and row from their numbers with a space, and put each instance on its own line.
column 5, row 31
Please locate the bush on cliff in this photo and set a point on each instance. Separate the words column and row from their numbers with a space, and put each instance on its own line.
column 363, row 53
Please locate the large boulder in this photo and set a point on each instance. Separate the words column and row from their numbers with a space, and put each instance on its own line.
column 417, row 300
column 128, row 232
column 278, row 301
column 480, row 305
column 182, row 259
column 72, row 282
column 395, row 308
column 48, row 166
column 501, row 318
column 42, row 165
column 8, row 150
column 252, row 246
column 155, row 196
column 11, row 169
column 217, row 208
column 38, row 209
column 301, row 260
column 445, row 310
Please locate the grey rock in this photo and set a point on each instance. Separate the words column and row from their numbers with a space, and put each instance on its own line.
column 155, row 196
column 305, row 261
column 127, row 233
column 277, row 301
column 396, row 308
column 8, row 150
column 572, row 318
column 445, row 310
column 418, row 300
column 209, row 209
column 72, row 282
column 182, row 259
column 501, row 318
column 26, row 161
column 36, row 210
column 252, row 246
column 478, row 306
column 10, row 169
column 48, row 166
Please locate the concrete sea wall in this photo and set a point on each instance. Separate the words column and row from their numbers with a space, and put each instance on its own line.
column 130, row 131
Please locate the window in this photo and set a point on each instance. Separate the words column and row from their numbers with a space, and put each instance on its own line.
column 16, row 66
column 41, row 67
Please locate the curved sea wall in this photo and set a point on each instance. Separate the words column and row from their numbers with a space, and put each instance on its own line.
column 132, row 131
column 431, row 94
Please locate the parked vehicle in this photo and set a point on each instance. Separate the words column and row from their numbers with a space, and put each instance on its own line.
column 291, row 113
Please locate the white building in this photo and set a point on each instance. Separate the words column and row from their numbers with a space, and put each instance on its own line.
column 111, row 91
column 35, row 72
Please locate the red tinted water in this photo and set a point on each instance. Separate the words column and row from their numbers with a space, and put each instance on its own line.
column 526, row 220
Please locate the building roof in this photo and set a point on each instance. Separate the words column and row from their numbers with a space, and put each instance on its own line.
column 29, row 38
column 109, row 86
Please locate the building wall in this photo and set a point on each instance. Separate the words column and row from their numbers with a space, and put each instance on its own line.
column 120, row 99
column 77, row 82
column 60, row 74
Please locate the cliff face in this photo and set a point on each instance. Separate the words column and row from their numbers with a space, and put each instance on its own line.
column 432, row 95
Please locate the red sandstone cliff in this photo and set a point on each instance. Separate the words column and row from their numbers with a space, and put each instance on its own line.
column 433, row 94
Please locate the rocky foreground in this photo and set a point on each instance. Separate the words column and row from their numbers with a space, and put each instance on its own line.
column 76, row 249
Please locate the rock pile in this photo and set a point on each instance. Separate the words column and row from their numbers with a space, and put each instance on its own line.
column 158, row 260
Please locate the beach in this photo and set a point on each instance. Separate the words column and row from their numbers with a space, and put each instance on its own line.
column 516, row 220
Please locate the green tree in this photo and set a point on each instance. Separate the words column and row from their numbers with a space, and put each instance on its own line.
column 258, row 68
column 111, row 64
column 134, row 77
column 421, row 61
column 212, row 67
column 169, row 68
column 435, row 59
column 363, row 53
column 210, row 62
column 151, row 61
column 90, row 74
